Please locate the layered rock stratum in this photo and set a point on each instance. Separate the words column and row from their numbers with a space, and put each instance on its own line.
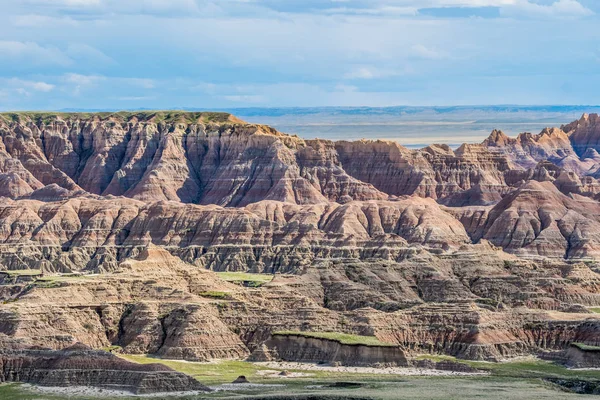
column 79, row 365
column 114, row 226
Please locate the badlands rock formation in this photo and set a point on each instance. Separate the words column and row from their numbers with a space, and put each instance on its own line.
column 113, row 226
column 79, row 365
column 291, row 347
column 581, row 356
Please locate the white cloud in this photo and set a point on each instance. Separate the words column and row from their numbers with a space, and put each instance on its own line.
column 345, row 88
column 90, row 80
column 238, row 98
column 83, row 9
column 385, row 11
column 31, row 53
column 372, row 72
column 76, row 84
column 37, row 21
column 138, row 82
column 66, row 3
column 82, row 51
column 82, row 80
column 136, row 98
column 206, row 87
column 471, row 3
column 427, row 52
column 166, row 8
column 17, row 87
column 360, row 73
column 38, row 86
column 557, row 9
column 41, row 86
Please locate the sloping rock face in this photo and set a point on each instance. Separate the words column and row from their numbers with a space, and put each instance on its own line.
column 581, row 357
column 435, row 171
column 82, row 366
column 483, row 304
column 585, row 134
column 186, row 157
column 94, row 234
column 537, row 219
column 109, row 179
column 315, row 350
column 488, row 251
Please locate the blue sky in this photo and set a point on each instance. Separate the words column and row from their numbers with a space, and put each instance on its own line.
column 117, row 54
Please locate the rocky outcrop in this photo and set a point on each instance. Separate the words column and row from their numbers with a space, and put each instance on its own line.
column 584, row 134
column 81, row 366
column 210, row 158
column 297, row 348
column 537, row 219
column 577, row 385
column 478, row 303
column 435, row 171
column 582, row 356
column 445, row 365
column 566, row 148
column 202, row 158
column 95, row 234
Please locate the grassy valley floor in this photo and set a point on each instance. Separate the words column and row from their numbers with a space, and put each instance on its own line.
column 511, row 380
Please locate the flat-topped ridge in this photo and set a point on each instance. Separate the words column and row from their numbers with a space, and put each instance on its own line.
column 156, row 116
column 341, row 338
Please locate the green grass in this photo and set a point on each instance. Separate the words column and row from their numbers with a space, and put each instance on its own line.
column 13, row 392
column 409, row 388
column 215, row 295
column 226, row 371
column 343, row 338
column 110, row 349
column 436, row 357
column 167, row 116
column 47, row 284
column 254, row 280
column 212, row 373
column 595, row 309
column 501, row 385
column 583, row 346
column 63, row 278
column 22, row 272
column 510, row 373
column 530, row 368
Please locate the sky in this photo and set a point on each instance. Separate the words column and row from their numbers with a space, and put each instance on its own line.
column 165, row 54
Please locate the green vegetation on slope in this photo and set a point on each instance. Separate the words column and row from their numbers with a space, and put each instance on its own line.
column 215, row 294
column 209, row 373
column 22, row 272
column 253, row 280
column 167, row 116
column 595, row 309
column 65, row 277
column 584, row 346
column 343, row 338
column 528, row 368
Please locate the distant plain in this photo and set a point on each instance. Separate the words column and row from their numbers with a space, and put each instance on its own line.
column 413, row 127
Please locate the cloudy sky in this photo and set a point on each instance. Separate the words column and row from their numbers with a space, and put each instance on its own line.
column 126, row 54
